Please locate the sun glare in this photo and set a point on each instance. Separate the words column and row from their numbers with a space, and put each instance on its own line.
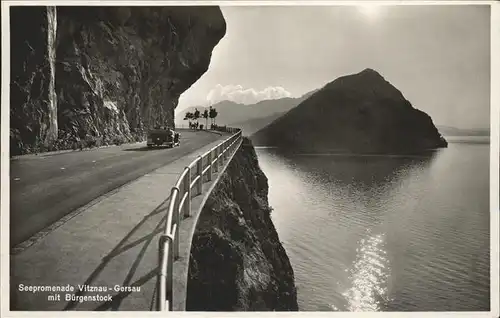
column 370, row 11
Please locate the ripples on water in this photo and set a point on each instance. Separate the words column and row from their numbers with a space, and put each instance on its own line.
column 375, row 233
column 368, row 276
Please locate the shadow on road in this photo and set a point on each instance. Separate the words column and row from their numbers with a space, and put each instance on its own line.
column 125, row 245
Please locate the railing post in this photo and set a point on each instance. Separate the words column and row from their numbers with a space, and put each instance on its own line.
column 199, row 173
column 176, row 220
column 216, row 164
column 170, row 274
column 165, row 275
column 187, row 188
column 209, row 172
column 221, row 161
column 160, row 288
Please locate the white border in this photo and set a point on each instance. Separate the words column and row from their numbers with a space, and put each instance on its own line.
column 494, row 160
column 242, row 2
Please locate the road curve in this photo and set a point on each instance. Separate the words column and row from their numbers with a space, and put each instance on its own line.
column 46, row 187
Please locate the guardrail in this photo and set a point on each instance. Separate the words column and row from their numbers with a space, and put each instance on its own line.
column 188, row 186
column 212, row 128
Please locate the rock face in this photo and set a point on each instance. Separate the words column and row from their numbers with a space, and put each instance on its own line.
column 86, row 76
column 360, row 113
column 237, row 261
column 33, row 103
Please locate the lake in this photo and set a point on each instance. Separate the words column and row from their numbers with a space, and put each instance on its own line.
column 385, row 233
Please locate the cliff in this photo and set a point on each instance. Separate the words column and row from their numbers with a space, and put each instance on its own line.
column 237, row 261
column 359, row 113
column 90, row 76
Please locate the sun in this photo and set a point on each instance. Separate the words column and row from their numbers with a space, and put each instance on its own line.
column 370, row 11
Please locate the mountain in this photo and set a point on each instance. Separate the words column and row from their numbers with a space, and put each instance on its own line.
column 454, row 131
column 253, row 125
column 239, row 115
column 359, row 113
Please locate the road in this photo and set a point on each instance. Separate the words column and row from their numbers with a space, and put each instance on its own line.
column 46, row 187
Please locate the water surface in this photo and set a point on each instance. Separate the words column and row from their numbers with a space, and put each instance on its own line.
column 385, row 233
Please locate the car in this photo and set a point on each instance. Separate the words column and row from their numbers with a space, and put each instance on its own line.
column 160, row 136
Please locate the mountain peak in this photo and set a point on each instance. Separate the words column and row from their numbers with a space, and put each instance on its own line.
column 370, row 72
column 367, row 84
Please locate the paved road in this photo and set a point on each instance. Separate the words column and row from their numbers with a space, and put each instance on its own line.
column 45, row 188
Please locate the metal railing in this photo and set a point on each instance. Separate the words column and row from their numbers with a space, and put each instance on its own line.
column 188, row 186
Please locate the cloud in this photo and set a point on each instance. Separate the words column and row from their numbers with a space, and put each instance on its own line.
column 238, row 94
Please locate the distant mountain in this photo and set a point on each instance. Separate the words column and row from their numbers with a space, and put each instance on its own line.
column 249, row 117
column 454, row 131
column 253, row 125
column 359, row 113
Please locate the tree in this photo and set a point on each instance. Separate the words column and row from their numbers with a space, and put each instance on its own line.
column 196, row 115
column 189, row 116
column 205, row 115
column 212, row 114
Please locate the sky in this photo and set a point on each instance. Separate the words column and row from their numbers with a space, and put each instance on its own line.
column 438, row 56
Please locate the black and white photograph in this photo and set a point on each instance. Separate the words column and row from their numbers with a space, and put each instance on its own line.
column 233, row 156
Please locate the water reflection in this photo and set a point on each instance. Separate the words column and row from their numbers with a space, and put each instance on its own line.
column 368, row 276
column 362, row 231
column 362, row 172
column 355, row 192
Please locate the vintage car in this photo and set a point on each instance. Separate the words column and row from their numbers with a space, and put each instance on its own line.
column 163, row 136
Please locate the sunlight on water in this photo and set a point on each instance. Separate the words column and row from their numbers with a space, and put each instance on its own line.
column 368, row 276
column 384, row 233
